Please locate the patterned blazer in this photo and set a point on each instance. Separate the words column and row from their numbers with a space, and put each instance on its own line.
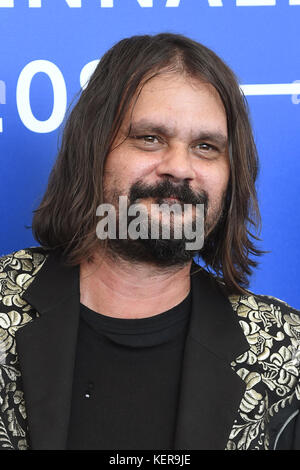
column 240, row 376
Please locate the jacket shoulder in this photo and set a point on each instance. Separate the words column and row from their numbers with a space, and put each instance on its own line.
column 24, row 259
column 271, row 320
column 264, row 299
column 27, row 260
column 266, row 311
column 17, row 271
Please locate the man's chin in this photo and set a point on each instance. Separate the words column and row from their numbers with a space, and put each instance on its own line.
column 159, row 252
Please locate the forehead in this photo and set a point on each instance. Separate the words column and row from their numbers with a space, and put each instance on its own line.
column 181, row 103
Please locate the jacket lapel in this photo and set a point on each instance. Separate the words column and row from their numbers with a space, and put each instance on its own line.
column 46, row 348
column 210, row 390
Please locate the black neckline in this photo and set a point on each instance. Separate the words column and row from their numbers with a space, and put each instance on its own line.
column 166, row 328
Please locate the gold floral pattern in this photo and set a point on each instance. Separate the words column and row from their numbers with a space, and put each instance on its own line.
column 17, row 271
column 270, row 368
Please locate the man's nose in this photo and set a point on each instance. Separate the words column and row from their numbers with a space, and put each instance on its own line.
column 176, row 164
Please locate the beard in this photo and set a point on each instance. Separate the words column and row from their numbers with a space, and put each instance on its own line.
column 161, row 252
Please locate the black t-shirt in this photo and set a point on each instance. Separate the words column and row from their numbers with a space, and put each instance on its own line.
column 126, row 380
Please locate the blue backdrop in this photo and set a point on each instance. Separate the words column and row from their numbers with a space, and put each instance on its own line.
column 45, row 46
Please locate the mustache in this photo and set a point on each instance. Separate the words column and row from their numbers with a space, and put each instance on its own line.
column 167, row 189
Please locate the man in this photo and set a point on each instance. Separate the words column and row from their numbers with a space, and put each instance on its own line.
column 124, row 342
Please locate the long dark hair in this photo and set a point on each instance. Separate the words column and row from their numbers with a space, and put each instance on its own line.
column 66, row 217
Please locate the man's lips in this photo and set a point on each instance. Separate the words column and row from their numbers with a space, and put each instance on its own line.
column 172, row 198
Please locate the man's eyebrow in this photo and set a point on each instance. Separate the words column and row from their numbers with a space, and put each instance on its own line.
column 157, row 128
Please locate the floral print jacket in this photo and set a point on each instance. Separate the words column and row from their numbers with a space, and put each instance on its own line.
column 240, row 380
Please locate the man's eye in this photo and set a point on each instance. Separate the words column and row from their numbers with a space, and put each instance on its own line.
column 204, row 146
column 147, row 139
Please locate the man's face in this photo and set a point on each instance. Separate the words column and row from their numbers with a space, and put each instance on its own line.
column 177, row 146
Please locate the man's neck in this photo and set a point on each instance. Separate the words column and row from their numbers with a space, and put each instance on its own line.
column 128, row 290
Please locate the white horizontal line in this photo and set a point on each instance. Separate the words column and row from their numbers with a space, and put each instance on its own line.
column 272, row 89
column 255, row 3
